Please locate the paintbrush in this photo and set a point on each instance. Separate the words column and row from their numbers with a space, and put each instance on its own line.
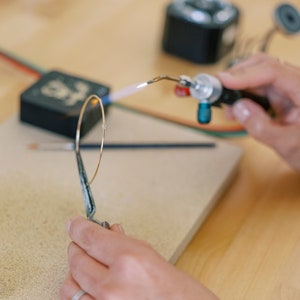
column 119, row 146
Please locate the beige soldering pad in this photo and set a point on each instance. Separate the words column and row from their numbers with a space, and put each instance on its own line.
column 160, row 196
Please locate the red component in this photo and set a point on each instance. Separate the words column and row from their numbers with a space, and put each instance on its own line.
column 182, row 91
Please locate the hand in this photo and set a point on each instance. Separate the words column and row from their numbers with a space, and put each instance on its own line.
column 107, row 264
column 280, row 82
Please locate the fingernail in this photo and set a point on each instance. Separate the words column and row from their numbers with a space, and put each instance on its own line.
column 68, row 225
column 120, row 228
column 241, row 111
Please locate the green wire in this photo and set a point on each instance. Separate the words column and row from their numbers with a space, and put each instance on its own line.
column 23, row 61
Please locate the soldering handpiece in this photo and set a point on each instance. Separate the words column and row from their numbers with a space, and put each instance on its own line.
column 209, row 91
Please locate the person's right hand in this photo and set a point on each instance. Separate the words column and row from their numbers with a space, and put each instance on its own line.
column 280, row 83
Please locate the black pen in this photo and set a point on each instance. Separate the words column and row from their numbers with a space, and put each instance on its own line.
column 119, row 146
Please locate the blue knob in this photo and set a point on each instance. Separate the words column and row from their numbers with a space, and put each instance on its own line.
column 204, row 112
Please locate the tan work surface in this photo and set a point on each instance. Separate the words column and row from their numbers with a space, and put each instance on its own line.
column 161, row 196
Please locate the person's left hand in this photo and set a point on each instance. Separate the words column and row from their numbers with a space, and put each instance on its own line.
column 107, row 264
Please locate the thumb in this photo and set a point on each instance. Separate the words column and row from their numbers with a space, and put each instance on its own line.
column 118, row 228
column 256, row 121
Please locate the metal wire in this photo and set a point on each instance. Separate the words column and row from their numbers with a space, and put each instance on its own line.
column 77, row 140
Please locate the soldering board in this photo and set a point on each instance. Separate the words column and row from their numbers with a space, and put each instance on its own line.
column 160, row 196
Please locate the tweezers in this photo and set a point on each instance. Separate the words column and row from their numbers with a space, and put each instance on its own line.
column 88, row 198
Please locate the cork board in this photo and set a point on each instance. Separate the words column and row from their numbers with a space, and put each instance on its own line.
column 161, row 196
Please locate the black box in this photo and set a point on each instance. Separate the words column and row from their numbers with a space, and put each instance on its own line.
column 55, row 100
column 200, row 31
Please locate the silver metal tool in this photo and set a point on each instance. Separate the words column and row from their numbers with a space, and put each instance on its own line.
column 88, row 198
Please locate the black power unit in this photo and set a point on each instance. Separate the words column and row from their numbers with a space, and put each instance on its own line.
column 201, row 31
column 55, row 100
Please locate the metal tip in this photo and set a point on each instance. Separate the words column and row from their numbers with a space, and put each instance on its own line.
column 162, row 77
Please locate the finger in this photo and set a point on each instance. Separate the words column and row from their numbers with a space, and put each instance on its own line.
column 288, row 146
column 70, row 288
column 255, row 59
column 257, row 122
column 283, row 79
column 85, row 270
column 102, row 244
column 284, row 139
column 252, row 77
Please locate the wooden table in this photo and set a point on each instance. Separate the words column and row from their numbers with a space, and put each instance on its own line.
column 249, row 247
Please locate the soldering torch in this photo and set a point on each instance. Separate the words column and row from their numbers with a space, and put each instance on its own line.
column 209, row 91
